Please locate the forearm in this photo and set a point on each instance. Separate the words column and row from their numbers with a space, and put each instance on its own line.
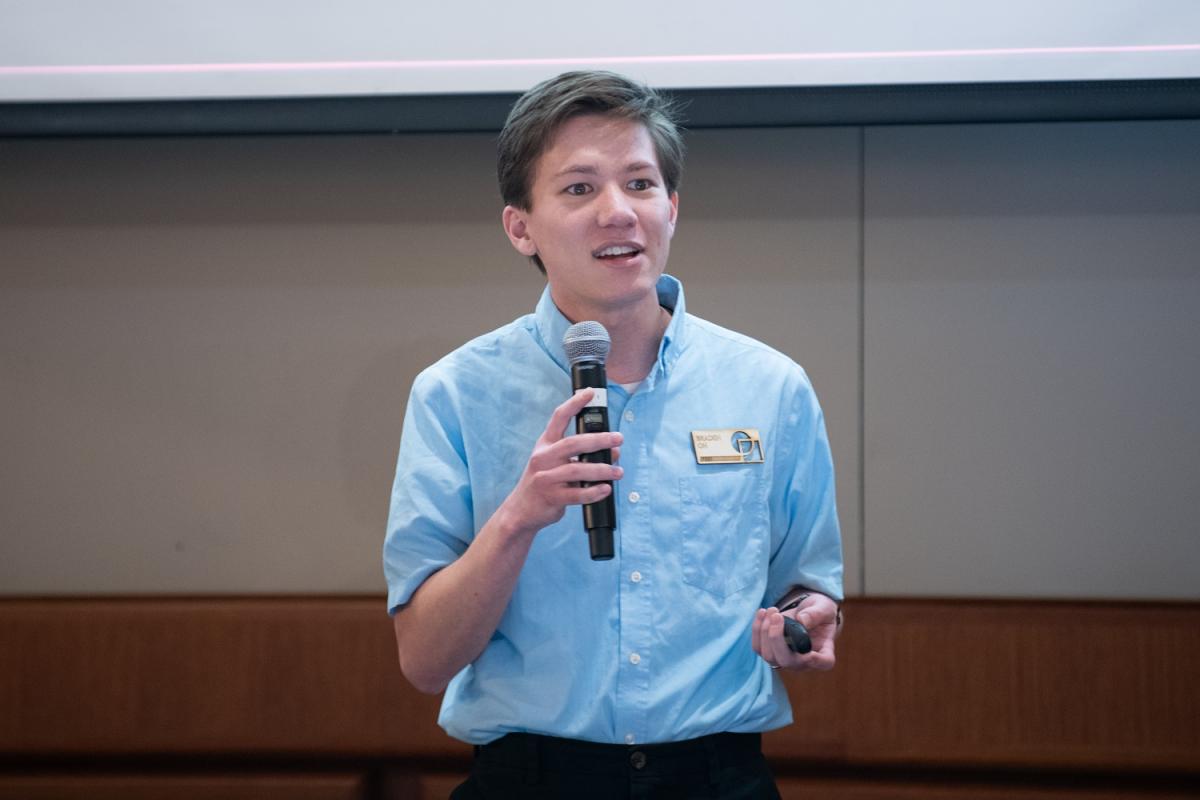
column 454, row 613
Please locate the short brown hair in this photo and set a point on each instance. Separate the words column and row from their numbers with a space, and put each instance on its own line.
column 539, row 113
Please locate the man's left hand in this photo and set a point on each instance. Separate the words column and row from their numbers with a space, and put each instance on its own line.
column 818, row 614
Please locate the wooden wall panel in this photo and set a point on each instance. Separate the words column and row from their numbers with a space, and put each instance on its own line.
column 284, row 786
column 848, row 789
column 1088, row 685
column 819, row 727
column 438, row 785
column 317, row 676
column 1098, row 688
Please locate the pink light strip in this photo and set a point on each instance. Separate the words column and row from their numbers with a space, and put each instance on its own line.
column 571, row 62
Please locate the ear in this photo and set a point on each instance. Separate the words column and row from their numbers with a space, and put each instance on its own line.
column 674, row 211
column 517, row 227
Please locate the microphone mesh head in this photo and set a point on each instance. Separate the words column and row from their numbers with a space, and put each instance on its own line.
column 586, row 341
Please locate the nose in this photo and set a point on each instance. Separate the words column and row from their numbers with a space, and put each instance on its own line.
column 613, row 209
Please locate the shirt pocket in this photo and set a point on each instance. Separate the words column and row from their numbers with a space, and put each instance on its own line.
column 724, row 528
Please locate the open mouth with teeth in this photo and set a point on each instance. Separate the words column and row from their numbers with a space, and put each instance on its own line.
column 621, row 252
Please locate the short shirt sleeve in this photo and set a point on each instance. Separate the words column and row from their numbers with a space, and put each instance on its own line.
column 806, row 538
column 430, row 522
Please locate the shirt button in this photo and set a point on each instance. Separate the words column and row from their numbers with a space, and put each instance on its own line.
column 634, row 497
column 629, row 738
column 635, row 576
column 634, row 658
column 629, row 416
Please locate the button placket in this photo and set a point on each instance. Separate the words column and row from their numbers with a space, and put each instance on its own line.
column 636, row 597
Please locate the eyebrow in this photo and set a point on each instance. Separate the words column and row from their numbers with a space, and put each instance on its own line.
column 587, row 169
column 576, row 168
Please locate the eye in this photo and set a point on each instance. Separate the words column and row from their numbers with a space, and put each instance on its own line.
column 641, row 184
column 578, row 189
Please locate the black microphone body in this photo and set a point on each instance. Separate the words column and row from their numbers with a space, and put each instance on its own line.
column 600, row 517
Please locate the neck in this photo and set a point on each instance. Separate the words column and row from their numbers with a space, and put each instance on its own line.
column 635, row 345
column 635, row 333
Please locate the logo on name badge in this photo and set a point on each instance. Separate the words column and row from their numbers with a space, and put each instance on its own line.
column 728, row 446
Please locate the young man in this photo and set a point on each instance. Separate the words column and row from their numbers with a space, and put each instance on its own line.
column 651, row 671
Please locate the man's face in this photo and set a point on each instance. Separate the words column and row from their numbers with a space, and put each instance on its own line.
column 600, row 217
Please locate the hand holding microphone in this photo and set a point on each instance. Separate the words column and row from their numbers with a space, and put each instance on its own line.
column 555, row 477
column 573, row 470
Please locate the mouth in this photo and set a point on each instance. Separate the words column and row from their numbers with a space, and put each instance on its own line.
column 617, row 253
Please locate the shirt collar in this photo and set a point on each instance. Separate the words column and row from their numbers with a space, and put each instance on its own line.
column 550, row 325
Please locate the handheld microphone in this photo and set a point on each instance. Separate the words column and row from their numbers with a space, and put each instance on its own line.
column 587, row 345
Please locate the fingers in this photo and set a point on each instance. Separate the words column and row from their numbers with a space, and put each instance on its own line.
column 575, row 472
column 559, row 482
column 816, row 611
column 579, row 444
column 561, row 417
column 775, row 649
column 822, row 659
column 556, row 477
column 755, row 634
column 555, row 446
column 591, row 494
column 760, row 635
column 766, row 639
column 561, row 495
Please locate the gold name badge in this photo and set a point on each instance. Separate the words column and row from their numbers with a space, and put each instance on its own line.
column 728, row 446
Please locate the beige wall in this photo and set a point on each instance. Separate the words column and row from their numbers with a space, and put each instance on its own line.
column 206, row 344
column 1033, row 359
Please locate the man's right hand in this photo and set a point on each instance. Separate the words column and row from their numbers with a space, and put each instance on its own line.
column 551, row 479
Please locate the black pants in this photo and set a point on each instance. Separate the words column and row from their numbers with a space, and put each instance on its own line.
column 729, row 766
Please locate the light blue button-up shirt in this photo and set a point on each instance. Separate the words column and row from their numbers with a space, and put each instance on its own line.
column 653, row 645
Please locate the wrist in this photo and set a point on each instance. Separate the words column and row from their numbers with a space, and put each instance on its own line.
column 512, row 527
column 798, row 594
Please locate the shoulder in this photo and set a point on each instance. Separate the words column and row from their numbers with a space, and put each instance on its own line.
column 742, row 353
column 478, row 361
